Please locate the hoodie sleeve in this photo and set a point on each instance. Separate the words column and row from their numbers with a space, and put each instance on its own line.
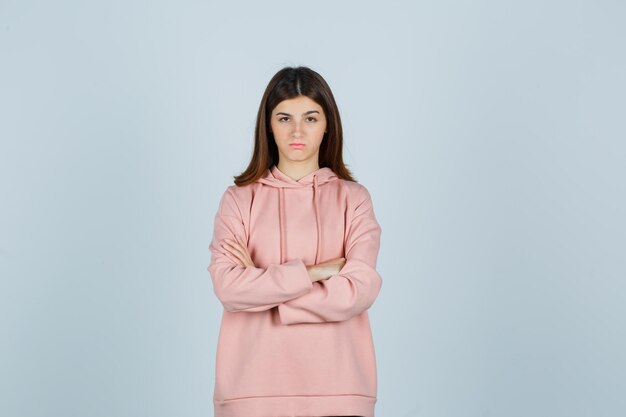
column 249, row 288
column 356, row 286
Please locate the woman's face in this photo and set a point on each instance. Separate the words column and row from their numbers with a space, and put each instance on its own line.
column 299, row 120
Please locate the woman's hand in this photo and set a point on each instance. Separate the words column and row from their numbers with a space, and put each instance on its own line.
column 326, row 269
column 237, row 251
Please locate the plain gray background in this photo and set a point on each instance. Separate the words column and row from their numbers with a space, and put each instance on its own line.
column 490, row 135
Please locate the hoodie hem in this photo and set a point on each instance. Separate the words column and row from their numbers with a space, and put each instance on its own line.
column 296, row 406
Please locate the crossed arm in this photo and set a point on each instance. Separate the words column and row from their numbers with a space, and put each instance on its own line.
column 238, row 252
column 333, row 291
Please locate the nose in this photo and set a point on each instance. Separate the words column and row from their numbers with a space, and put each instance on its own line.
column 297, row 130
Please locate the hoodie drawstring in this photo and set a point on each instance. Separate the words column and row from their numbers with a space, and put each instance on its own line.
column 317, row 221
column 273, row 177
column 281, row 198
column 282, row 231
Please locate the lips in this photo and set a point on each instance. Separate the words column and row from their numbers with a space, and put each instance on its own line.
column 297, row 145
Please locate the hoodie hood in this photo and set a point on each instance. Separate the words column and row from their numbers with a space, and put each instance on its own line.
column 274, row 177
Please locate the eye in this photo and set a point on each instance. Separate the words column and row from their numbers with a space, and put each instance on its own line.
column 313, row 118
column 280, row 119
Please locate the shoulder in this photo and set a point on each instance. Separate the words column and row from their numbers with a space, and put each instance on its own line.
column 234, row 198
column 236, row 192
column 357, row 196
column 356, row 192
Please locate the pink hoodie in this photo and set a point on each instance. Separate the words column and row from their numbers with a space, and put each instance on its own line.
column 287, row 346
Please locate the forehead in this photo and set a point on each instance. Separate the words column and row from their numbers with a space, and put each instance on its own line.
column 298, row 104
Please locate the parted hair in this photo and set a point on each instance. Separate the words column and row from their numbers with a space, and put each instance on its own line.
column 288, row 83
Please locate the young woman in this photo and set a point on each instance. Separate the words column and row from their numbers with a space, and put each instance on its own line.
column 293, row 262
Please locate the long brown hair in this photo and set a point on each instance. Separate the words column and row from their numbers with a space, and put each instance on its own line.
column 288, row 83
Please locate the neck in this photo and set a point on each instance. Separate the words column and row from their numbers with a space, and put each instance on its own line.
column 297, row 170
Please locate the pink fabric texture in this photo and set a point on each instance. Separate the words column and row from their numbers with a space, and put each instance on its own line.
column 288, row 346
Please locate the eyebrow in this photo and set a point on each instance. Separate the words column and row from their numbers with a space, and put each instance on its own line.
column 304, row 114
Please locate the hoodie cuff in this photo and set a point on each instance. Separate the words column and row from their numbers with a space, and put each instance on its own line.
column 297, row 268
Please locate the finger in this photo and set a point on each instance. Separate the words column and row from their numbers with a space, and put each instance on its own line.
column 232, row 244
column 242, row 242
column 231, row 250
column 248, row 257
column 245, row 252
column 236, row 241
column 243, row 247
column 237, row 249
column 231, row 257
column 247, row 261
